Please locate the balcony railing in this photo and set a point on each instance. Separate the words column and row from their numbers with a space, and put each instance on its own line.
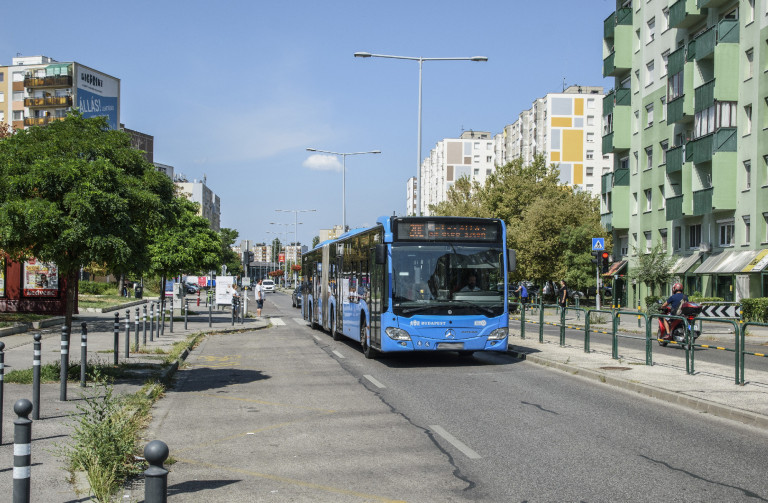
column 711, row 3
column 676, row 61
column 50, row 81
column 49, row 101
column 674, row 208
column 608, row 143
column 621, row 178
column 675, row 159
column 684, row 14
column 704, row 96
column 40, row 121
column 724, row 32
column 608, row 25
column 702, row 201
column 608, row 64
column 702, row 149
column 606, row 183
column 676, row 110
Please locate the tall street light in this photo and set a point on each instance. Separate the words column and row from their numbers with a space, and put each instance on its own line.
column 421, row 62
column 296, row 222
column 343, row 178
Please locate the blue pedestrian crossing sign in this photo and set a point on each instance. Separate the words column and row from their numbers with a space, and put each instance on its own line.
column 598, row 244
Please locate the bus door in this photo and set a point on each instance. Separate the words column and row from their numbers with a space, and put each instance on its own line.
column 323, row 320
column 377, row 294
column 338, row 315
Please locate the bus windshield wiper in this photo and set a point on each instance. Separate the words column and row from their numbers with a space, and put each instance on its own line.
column 478, row 306
column 424, row 307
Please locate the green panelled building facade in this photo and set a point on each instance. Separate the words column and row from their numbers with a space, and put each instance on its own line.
column 687, row 122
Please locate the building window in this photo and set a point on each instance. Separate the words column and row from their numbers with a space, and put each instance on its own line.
column 725, row 231
column 590, row 154
column 635, row 163
column 651, row 34
column 694, row 236
column 648, row 199
column 2, row 97
column 636, row 122
column 637, row 80
column 18, row 76
column 765, row 226
column 750, row 11
column 590, row 103
column 624, row 162
column 2, row 76
column 18, row 115
column 590, row 171
column 634, row 241
column 749, row 54
column 648, row 241
column 677, row 237
column 649, row 157
column 590, row 137
column 649, row 73
column 663, row 238
column 747, row 175
column 488, row 158
column 634, row 203
column 664, row 147
column 662, row 199
column 675, row 86
column 649, row 115
column 624, row 245
column 721, row 114
column 663, row 100
column 590, row 120
column 748, row 117
column 17, row 96
column 637, row 39
column 747, row 229
column 665, row 60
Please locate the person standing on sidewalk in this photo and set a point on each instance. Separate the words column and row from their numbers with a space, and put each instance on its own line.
column 258, row 294
column 562, row 299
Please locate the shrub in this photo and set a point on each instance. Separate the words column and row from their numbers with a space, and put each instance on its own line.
column 755, row 310
column 652, row 304
column 96, row 288
column 709, row 300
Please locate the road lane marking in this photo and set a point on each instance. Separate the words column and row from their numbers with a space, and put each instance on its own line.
column 278, row 322
column 338, row 355
column 316, row 338
column 374, row 381
column 461, row 446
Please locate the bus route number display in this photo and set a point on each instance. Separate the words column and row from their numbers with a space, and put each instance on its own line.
column 447, row 231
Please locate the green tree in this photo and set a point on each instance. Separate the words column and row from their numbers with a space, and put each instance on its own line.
column 315, row 241
column 228, row 256
column 76, row 193
column 652, row 268
column 276, row 247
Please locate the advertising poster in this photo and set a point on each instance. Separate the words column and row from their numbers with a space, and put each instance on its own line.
column 2, row 277
column 41, row 279
column 225, row 288
column 98, row 94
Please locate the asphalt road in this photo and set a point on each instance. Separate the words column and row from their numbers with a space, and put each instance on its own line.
column 288, row 414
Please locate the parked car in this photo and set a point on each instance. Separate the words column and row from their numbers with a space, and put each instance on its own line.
column 296, row 297
column 268, row 285
column 192, row 289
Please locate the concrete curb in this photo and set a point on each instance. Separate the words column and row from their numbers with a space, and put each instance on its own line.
column 696, row 404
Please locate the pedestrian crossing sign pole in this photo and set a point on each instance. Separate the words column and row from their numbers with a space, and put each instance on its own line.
column 598, row 244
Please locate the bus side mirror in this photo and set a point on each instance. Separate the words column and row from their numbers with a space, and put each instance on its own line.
column 381, row 254
column 511, row 259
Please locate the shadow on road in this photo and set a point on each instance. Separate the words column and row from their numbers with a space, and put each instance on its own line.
column 206, row 378
column 194, row 486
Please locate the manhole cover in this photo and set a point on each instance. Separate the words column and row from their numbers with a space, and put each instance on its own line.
column 615, row 368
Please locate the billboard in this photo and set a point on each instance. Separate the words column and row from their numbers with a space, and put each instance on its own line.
column 41, row 279
column 98, row 94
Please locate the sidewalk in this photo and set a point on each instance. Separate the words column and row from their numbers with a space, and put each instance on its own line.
column 711, row 389
column 49, row 480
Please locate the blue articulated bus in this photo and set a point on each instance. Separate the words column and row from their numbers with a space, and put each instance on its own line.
column 413, row 284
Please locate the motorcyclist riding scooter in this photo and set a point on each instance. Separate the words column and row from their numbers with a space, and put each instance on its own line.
column 677, row 304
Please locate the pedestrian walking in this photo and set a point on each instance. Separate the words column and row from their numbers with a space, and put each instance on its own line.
column 562, row 299
column 258, row 294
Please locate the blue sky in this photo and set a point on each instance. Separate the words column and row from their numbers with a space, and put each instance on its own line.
column 237, row 90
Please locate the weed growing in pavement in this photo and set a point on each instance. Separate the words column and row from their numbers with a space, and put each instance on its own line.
column 598, row 318
column 190, row 343
column 94, row 371
column 105, row 440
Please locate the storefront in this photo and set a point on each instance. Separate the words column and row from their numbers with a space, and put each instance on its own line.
column 732, row 275
column 32, row 287
column 683, row 272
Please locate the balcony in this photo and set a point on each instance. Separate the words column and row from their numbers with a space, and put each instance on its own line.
column 50, row 81
column 606, row 221
column 675, row 160
column 702, row 149
column 704, row 96
column 684, row 14
column 679, row 110
column 702, row 202
column 724, row 32
column 674, row 208
column 40, row 121
column 708, row 4
column 49, row 101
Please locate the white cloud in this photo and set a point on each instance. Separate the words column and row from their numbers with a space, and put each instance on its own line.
column 322, row 162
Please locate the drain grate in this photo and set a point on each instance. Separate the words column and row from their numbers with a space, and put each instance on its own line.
column 615, row 368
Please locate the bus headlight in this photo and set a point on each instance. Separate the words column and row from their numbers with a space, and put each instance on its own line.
column 498, row 334
column 397, row 334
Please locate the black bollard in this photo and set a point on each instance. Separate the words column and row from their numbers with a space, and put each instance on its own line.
column 22, row 451
column 2, row 378
column 116, row 342
column 152, row 322
column 127, row 333
column 162, row 323
column 156, row 477
column 170, row 319
column 36, row 377
column 64, row 364
column 83, row 353
column 210, row 315
column 234, row 310
column 186, row 313
column 137, row 329
column 144, row 318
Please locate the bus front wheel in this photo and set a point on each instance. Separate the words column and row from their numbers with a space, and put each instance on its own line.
column 312, row 323
column 336, row 335
column 368, row 351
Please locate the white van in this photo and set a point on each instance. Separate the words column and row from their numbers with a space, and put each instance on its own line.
column 268, row 285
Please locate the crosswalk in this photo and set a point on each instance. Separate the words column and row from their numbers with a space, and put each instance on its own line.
column 278, row 322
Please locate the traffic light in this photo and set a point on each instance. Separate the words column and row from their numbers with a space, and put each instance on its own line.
column 605, row 259
column 596, row 258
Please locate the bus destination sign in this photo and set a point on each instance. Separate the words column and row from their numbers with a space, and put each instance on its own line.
column 436, row 230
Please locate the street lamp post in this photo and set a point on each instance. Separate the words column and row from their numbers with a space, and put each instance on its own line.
column 296, row 230
column 285, row 246
column 343, row 178
column 418, row 147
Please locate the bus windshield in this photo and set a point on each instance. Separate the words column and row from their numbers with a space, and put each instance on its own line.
column 447, row 279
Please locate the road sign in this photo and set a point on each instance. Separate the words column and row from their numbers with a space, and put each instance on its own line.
column 598, row 244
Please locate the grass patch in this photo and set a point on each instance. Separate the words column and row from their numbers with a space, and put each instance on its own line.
column 105, row 440
column 11, row 319
column 101, row 301
column 191, row 342
column 94, row 372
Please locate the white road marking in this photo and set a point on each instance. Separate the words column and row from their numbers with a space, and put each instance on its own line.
column 374, row 381
column 455, row 442
column 278, row 322
column 300, row 321
column 316, row 338
column 338, row 355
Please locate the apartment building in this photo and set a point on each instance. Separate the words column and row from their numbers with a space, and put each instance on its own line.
column 565, row 128
column 210, row 204
column 36, row 90
column 471, row 156
column 410, row 196
column 687, row 123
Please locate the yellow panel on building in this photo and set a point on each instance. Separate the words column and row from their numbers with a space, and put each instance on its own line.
column 561, row 122
column 573, row 145
column 578, row 106
column 578, row 174
column 555, row 156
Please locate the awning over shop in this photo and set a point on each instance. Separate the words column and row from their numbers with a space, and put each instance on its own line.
column 728, row 262
column 759, row 263
column 615, row 268
column 684, row 264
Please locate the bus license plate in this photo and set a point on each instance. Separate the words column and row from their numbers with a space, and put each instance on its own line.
column 451, row 346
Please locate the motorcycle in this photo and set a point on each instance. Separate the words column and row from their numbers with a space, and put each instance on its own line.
column 690, row 311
